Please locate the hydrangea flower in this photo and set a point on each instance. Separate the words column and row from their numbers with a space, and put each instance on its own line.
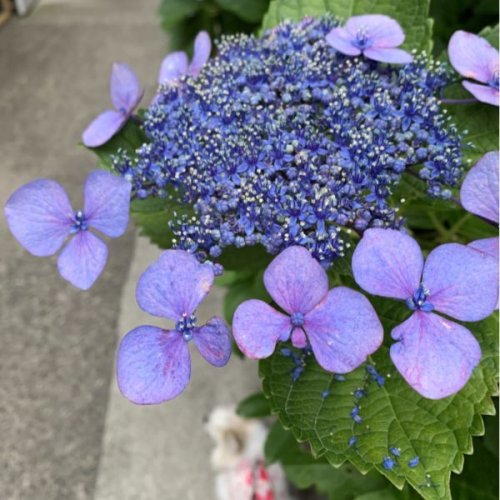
column 473, row 57
column 374, row 35
column 126, row 94
column 154, row 364
column 340, row 324
column 177, row 64
column 282, row 141
column 40, row 216
column 479, row 195
column 435, row 355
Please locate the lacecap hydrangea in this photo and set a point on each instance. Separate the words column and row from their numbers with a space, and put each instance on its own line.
column 282, row 140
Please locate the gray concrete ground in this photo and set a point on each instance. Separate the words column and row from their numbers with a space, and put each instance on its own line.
column 58, row 344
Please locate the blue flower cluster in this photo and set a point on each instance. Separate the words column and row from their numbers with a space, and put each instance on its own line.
column 282, row 140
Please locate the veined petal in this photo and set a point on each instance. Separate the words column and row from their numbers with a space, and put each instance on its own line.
column 472, row 56
column 387, row 262
column 39, row 216
column 103, row 127
column 153, row 365
column 174, row 285
column 342, row 41
column 257, row 327
column 83, row 260
column 213, row 340
column 479, row 192
column 107, row 202
column 390, row 56
column 343, row 330
column 201, row 53
column 461, row 282
column 434, row 355
column 295, row 280
column 124, row 89
column 488, row 246
column 173, row 67
column 483, row 93
column 382, row 31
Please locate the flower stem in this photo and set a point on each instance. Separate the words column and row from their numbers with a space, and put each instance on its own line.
column 458, row 101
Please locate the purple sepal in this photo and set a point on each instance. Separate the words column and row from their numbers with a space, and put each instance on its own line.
column 483, row 93
column 201, row 53
column 103, row 127
column 461, row 282
column 214, row 341
column 39, row 215
column 388, row 263
column 83, row 260
column 390, row 56
column 295, row 280
column 153, row 365
column 257, row 327
column 173, row 67
column 174, row 285
column 479, row 191
column 434, row 355
column 343, row 330
column 107, row 202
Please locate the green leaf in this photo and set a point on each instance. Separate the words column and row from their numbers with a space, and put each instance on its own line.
column 249, row 10
column 438, row 432
column 412, row 15
column 245, row 258
column 128, row 139
column 172, row 12
column 152, row 215
column 254, row 406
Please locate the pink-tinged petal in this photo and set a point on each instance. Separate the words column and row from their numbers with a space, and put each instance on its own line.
column 174, row 285
column 382, row 31
column 201, row 53
column 472, row 56
column 483, row 93
column 387, row 262
column 125, row 90
column 298, row 338
column 39, row 216
column 107, row 202
column 434, row 355
column 341, row 40
column 213, row 340
column 479, row 192
column 461, row 282
column 489, row 246
column 343, row 330
column 391, row 56
column 257, row 327
column 103, row 127
column 83, row 260
column 153, row 365
column 173, row 67
column 295, row 280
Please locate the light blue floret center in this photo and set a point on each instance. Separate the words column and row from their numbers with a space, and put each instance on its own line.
column 494, row 82
column 419, row 300
column 79, row 222
column 185, row 326
column 362, row 40
column 297, row 319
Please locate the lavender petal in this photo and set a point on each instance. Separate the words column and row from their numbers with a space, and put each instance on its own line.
column 173, row 67
column 483, row 93
column 124, row 88
column 295, row 280
column 434, row 355
column 382, row 31
column 153, row 365
column 201, row 53
column 213, row 340
column 342, row 41
column 83, row 260
column 107, row 202
column 390, row 56
column 39, row 215
column 103, row 127
column 174, row 285
column 343, row 330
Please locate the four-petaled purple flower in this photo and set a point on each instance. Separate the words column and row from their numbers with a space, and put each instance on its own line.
column 126, row 94
column 374, row 35
column 154, row 364
column 436, row 356
column 473, row 57
column 479, row 195
column 40, row 216
column 177, row 64
column 340, row 325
